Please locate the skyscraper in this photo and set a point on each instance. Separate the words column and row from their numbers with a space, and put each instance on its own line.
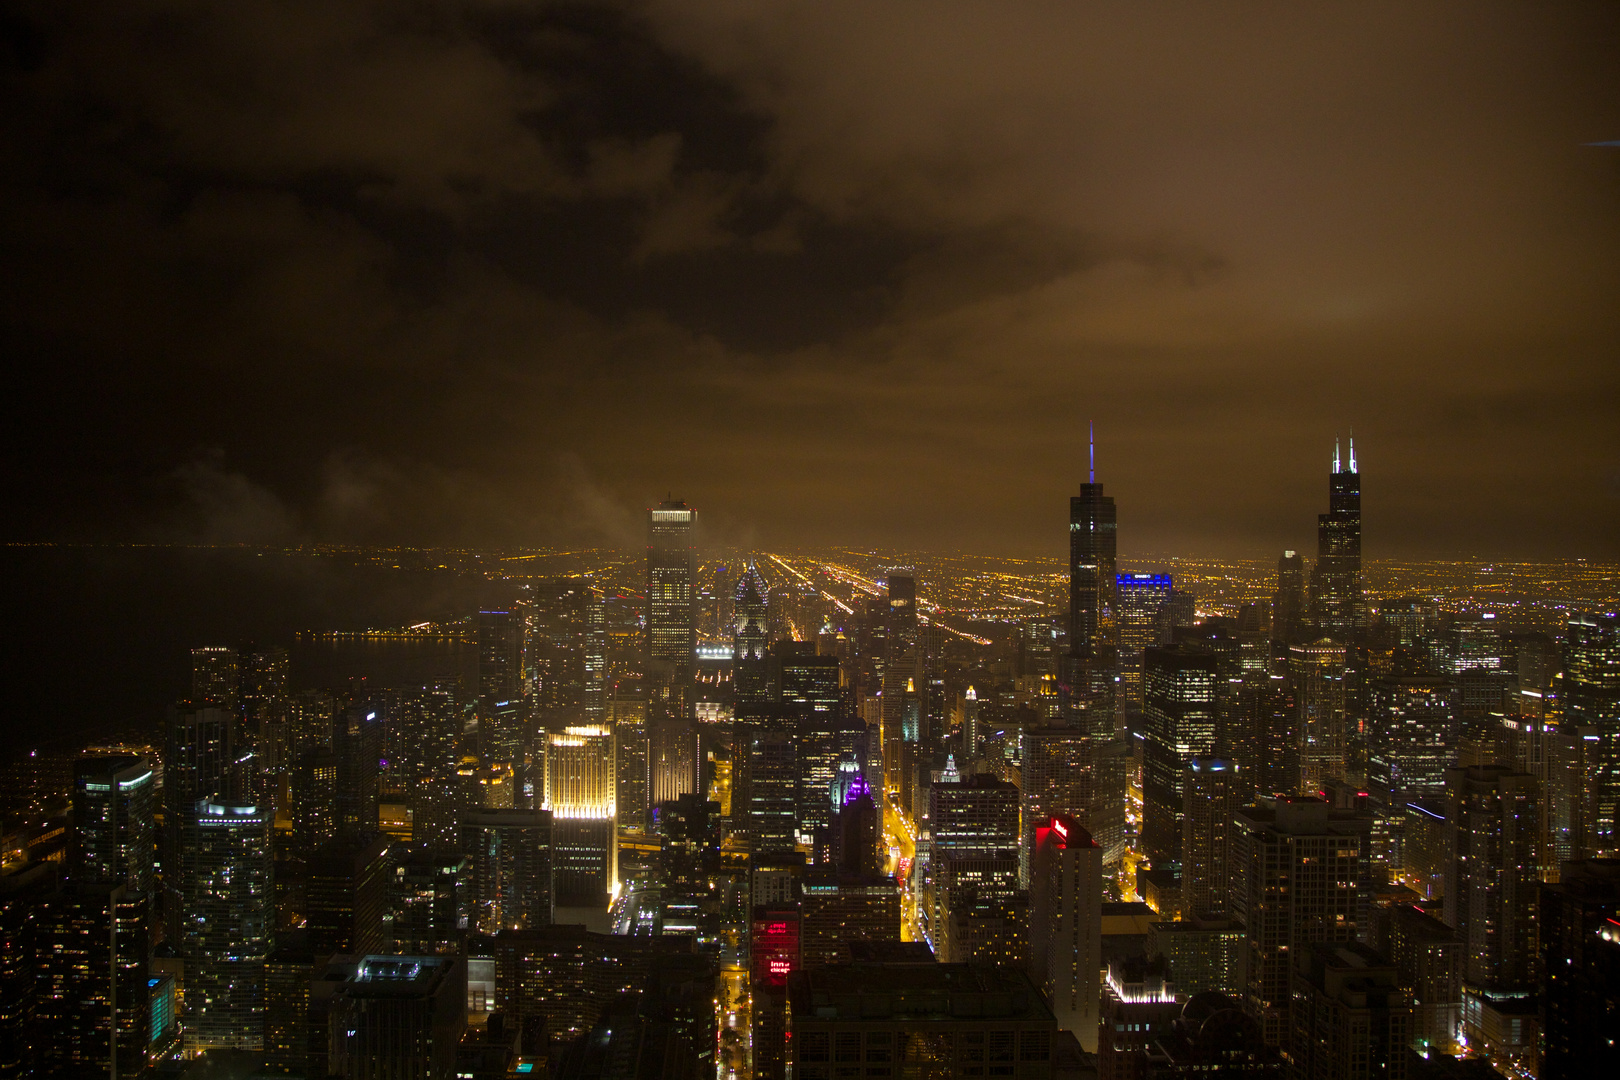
column 1093, row 589
column 216, row 677
column 1179, row 690
column 113, row 822
column 628, row 712
column 228, row 929
column 1492, row 828
column 1065, row 901
column 565, row 640
column 900, row 654
column 73, row 934
column 671, row 625
column 500, row 655
column 1338, row 595
column 398, row 1016
column 1301, row 877
column 580, row 793
column 1351, row 1016
column 1214, row 788
column 1591, row 686
column 1580, row 970
column 1141, row 596
column 1288, row 602
column 1316, row 675
column 511, row 868
column 750, row 670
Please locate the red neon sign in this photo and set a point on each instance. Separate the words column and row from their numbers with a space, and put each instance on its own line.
column 1061, row 830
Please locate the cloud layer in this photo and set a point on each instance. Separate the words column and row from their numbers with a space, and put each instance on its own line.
column 490, row 271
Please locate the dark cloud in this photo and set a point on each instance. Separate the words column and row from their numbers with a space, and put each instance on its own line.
column 475, row 270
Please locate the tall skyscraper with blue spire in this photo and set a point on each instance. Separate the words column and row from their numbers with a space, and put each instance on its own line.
column 1338, row 594
column 1093, row 592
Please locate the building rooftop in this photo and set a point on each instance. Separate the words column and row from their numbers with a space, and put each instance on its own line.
column 914, row 991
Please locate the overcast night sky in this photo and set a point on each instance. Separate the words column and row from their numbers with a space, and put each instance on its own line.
column 505, row 272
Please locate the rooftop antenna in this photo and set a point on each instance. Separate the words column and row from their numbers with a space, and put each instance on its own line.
column 1092, row 424
column 1352, row 449
column 1336, row 454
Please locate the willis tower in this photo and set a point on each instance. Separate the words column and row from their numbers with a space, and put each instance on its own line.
column 1093, row 597
column 1338, row 599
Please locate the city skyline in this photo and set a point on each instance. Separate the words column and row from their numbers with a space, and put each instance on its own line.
column 534, row 540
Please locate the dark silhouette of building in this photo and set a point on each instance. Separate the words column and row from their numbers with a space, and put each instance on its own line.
column 1351, row 1018
column 347, row 896
column 1288, row 602
column 1213, row 1037
column 917, row 1019
column 398, row 1016
column 1580, row 965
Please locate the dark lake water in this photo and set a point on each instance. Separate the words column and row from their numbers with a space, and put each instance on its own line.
column 97, row 639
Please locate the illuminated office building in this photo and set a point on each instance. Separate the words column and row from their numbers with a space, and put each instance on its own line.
column 671, row 629
column 750, row 636
column 1411, row 735
column 673, row 752
column 765, row 796
column 808, row 688
column 580, row 793
column 1138, row 1006
column 1141, row 596
column 114, row 841
column 1338, row 596
column 1301, row 877
column 357, row 745
column 1427, row 954
column 1288, row 602
column 510, row 852
column 1065, row 923
column 429, row 903
column 1591, row 694
column 1179, row 718
column 1316, row 674
column 216, row 677
column 199, row 763
column 398, row 1016
column 1213, row 788
column 901, row 656
column 628, row 715
column 841, row 908
column 500, row 655
column 228, row 928
column 565, row 642
column 1093, row 590
column 72, row 939
column 1492, row 833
